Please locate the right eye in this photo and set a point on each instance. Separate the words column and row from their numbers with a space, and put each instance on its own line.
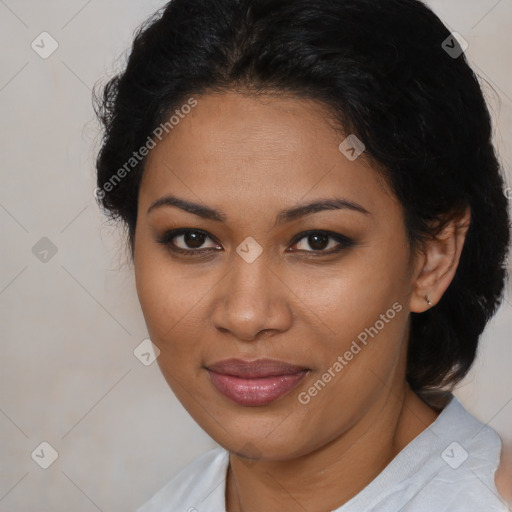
column 190, row 240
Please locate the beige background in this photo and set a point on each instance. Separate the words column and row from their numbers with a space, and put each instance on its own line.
column 69, row 326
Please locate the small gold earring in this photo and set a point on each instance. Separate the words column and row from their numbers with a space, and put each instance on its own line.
column 428, row 301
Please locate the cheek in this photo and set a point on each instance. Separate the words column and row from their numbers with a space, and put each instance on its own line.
column 354, row 295
column 162, row 294
column 364, row 305
column 366, row 328
column 173, row 300
column 357, row 365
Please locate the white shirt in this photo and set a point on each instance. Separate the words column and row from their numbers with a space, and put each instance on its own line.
column 449, row 467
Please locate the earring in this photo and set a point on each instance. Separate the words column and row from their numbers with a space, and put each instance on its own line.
column 428, row 301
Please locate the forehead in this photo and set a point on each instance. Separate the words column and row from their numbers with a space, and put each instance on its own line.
column 258, row 150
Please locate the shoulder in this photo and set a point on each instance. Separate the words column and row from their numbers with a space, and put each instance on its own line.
column 198, row 485
column 449, row 467
column 462, row 466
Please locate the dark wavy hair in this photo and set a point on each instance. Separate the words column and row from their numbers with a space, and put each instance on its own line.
column 385, row 71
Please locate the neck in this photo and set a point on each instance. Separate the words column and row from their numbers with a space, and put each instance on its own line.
column 330, row 476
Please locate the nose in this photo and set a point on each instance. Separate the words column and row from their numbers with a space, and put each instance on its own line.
column 250, row 300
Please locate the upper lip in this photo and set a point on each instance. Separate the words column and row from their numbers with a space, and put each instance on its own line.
column 255, row 369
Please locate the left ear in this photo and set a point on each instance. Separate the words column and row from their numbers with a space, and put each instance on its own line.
column 436, row 264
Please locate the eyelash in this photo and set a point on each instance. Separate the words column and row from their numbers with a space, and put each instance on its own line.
column 343, row 241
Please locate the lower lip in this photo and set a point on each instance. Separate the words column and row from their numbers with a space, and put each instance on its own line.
column 256, row 391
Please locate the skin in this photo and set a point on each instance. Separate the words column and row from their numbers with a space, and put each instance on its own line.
column 252, row 157
column 503, row 477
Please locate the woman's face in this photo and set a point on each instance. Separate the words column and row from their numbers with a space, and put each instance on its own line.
column 255, row 285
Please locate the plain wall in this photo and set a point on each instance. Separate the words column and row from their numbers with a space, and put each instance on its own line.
column 69, row 325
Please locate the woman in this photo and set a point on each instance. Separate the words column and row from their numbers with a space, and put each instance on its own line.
column 318, row 227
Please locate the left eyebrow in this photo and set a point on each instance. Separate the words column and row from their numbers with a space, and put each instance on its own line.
column 335, row 203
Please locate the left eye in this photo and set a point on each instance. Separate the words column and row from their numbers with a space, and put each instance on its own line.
column 319, row 241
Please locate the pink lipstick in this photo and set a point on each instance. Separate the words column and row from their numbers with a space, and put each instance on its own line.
column 253, row 383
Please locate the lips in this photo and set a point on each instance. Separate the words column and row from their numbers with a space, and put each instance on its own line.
column 254, row 383
column 254, row 369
